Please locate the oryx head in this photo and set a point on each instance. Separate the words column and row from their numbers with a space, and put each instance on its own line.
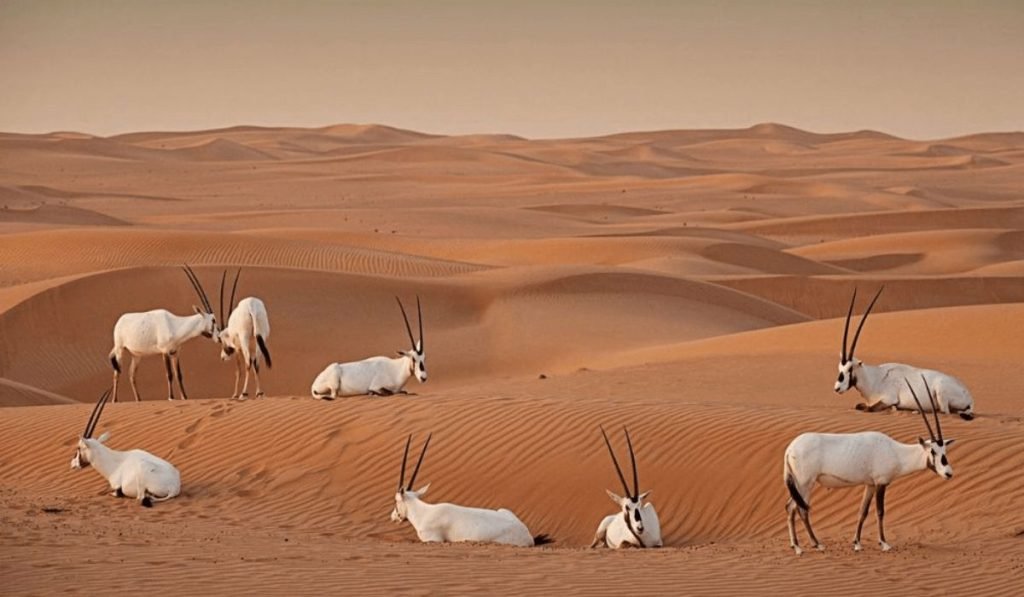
column 937, row 445
column 416, row 354
column 848, row 364
column 227, row 347
column 632, row 504
column 405, row 492
column 83, row 454
column 210, row 327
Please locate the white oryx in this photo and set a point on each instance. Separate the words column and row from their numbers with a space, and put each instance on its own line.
column 638, row 524
column 247, row 329
column 380, row 376
column 448, row 523
column 133, row 473
column 161, row 332
column 880, row 385
column 871, row 459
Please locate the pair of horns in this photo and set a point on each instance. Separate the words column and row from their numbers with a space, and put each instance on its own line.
column 847, row 356
column 408, row 328
column 231, row 303
column 401, row 479
column 94, row 418
column 634, row 495
column 198, row 287
column 937, row 434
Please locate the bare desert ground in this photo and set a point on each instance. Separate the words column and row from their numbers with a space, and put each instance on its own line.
column 689, row 284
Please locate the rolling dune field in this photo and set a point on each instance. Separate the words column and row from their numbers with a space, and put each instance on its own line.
column 691, row 285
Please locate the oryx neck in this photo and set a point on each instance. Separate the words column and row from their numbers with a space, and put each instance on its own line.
column 632, row 531
column 105, row 460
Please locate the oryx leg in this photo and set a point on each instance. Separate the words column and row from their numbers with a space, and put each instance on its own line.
column 131, row 376
column 806, row 517
column 254, row 361
column 872, row 408
column 239, row 365
column 601, row 536
column 177, row 368
column 880, row 512
column 170, row 377
column 791, row 509
column 865, row 506
column 116, row 362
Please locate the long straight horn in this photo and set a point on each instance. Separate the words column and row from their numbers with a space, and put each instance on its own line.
column 419, row 317
column 921, row 409
column 231, row 303
column 632, row 458
column 401, row 475
column 198, row 288
column 615, row 461
column 416, row 470
column 223, row 277
column 94, row 417
column 846, row 330
column 935, row 408
column 853, row 347
column 408, row 328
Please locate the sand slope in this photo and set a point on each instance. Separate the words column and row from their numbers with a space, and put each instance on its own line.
column 688, row 284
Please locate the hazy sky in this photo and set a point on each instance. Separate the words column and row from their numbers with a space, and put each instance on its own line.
column 921, row 69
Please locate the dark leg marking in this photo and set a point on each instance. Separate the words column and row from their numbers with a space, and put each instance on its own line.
column 146, row 502
column 119, row 493
column 865, row 507
column 880, row 511
column 181, row 383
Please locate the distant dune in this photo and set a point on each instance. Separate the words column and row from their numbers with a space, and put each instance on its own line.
column 689, row 284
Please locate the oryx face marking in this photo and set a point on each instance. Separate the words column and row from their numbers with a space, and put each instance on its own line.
column 418, row 356
column 936, row 446
column 847, row 376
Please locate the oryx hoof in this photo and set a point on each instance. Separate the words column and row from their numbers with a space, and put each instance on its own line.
column 857, row 546
column 885, row 546
column 798, row 550
column 146, row 502
column 820, row 547
column 260, row 395
column 861, row 406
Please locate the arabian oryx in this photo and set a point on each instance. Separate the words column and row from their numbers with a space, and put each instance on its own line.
column 448, row 523
column 638, row 524
column 246, row 329
column 880, row 385
column 380, row 376
column 134, row 473
column 871, row 459
column 161, row 332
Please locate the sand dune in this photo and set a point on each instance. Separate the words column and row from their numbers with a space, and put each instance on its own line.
column 689, row 284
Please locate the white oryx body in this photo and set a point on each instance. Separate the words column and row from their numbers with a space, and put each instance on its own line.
column 132, row 473
column 883, row 387
column 870, row 458
column 376, row 375
column 247, row 330
column 637, row 524
column 449, row 523
column 160, row 332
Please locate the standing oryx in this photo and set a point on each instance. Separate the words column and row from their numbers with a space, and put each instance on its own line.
column 380, row 376
column 134, row 473
column 638, row 524
column 450, row 523
column 161, row 332
column 880, row 385
column 247, row 328
column 871, row 459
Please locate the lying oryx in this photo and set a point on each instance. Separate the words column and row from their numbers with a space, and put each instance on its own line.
column 450, row 523
column 871, row 459
column 380, row 376
column 637, row 525
column 134, row 473
column 161, row 332
column 880, row 385
column 247, row 329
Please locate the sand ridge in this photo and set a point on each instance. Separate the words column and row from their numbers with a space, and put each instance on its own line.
column 689, row 284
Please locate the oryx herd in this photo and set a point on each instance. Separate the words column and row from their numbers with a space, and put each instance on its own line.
column 869, row 458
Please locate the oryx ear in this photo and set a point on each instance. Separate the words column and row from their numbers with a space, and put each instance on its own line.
column 643, row 496
column 401, row 353
column 614, row 497
column 104, row 437
column 419, row 346
column 948, row 442
column 423, row 490
column 922, row 441
column 197, row 310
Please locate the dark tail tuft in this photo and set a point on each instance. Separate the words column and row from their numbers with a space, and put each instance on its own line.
column 146, row 502
column 117, row 366
column 799, row 499
column 265, row 351
column 967, row 416
column 542, row 539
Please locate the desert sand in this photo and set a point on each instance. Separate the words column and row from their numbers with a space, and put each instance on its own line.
column 689, row 284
